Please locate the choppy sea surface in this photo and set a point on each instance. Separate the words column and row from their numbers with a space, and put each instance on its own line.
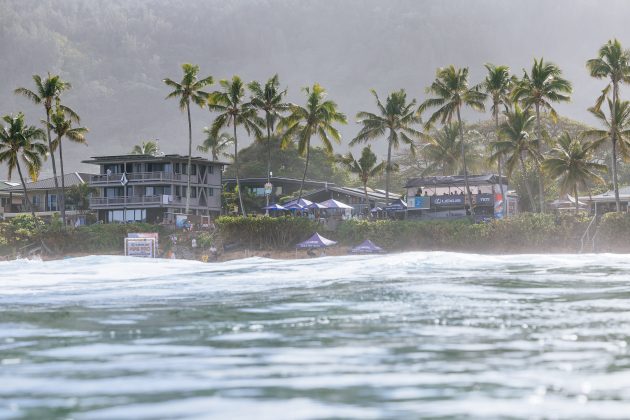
column 414, row 335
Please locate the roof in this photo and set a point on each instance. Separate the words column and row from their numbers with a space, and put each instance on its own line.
column 279, row 180
column 357, row 192
column 7, row 185
column 71, row 179
column 101, row 160
column 454, row 180
column 609, row 196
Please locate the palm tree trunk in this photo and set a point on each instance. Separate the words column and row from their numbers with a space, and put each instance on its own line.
column 28, row 202
column 238, row 181
column 541, row 186
column 496, row 125
column 577, row 205
column 388, row 169
column 189, row 157
column 61, row 201
column 52, row 154
column 367, row 200
column 463, row 152
column 308, row 152
column 268, row 161
column 613, row 126
column 527, row 186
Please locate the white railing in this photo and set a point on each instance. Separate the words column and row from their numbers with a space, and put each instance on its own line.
column 141, row 200
column 138, row 176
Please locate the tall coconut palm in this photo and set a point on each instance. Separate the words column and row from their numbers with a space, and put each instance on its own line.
column 233, row 111
column 19, row 141
column 498, row 85
column 269, row 100
column 395, row 120
column 61, row 125
column 146, row 148
column 539, row 89
column 189, row 90
column 46, row 91
column 217, row 146
column 515, row 144
column 617, row 129
column 451, row 93
column 366, row 167
column 571, row 163
column 316, row 118
column 613, row 63
column 442, row 151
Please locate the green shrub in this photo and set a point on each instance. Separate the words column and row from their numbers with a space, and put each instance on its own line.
column 265, row 232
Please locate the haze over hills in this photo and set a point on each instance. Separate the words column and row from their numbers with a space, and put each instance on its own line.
column 116, row 53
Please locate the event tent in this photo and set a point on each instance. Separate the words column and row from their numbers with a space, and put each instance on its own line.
column 367, row 247
column 315, row 241
column 275, row 207
column 334, row 204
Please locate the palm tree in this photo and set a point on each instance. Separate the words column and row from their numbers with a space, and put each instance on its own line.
column 233, row 111
column 189, row 90
column 394, row 119
column 365, row 168
column 617, row 129
column 540, row 88
column 571, row 163
column 21, row 141
column 146, row 148
column 498, row 85
column 62, row 127
column 269, row 100
column 515, row 143
column 451, row 93
column 442, row 151
column 612, row 62
column 216, row 145
column 316, row 118
column 45, row 92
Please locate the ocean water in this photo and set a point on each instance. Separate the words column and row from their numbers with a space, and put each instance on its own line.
column 414, row 335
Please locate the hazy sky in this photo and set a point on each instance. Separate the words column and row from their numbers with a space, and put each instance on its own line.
column 116, row 53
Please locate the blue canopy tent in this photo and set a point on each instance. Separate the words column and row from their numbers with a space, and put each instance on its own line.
column 315, row 241
column 367, row 247
column 334, row 204
column 297, row 204
column 275, row 207
column 316, row 206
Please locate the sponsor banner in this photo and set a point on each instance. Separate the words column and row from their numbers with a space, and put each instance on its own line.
column 152, row 235
column 448, row 201
column 498, row 206
column 422, row 202
column 140, row 247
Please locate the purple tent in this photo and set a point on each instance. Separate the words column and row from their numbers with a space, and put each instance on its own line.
column 334, row 204
column 316, row 206
column 367, row 247
column 297, row 204
column 315, row 241
column 275, row 207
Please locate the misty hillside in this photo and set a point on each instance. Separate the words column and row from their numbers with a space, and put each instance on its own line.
column 116, row 53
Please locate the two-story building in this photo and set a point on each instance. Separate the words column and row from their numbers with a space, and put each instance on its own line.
column 147, row 188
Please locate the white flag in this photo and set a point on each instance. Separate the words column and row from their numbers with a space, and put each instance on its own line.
column 123, row 179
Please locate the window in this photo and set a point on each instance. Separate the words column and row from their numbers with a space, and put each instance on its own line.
column 185, row 168
column 210, row 169
column 193, row 169
column 210, row 192
column 193, row 192
column 52, row 202
column 177, row 168
column 149, row 191
column 177, row 191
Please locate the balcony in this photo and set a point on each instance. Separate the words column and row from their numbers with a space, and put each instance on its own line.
column 140, row 201
column 141, row 177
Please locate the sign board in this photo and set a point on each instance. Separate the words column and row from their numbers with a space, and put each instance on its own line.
column 151, row 235
column 448, row 201
column 268, row 188
column 421, row 202
column 140, row 247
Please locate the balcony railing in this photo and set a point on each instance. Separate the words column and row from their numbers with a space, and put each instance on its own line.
column 140, row 177
column 142, row 200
